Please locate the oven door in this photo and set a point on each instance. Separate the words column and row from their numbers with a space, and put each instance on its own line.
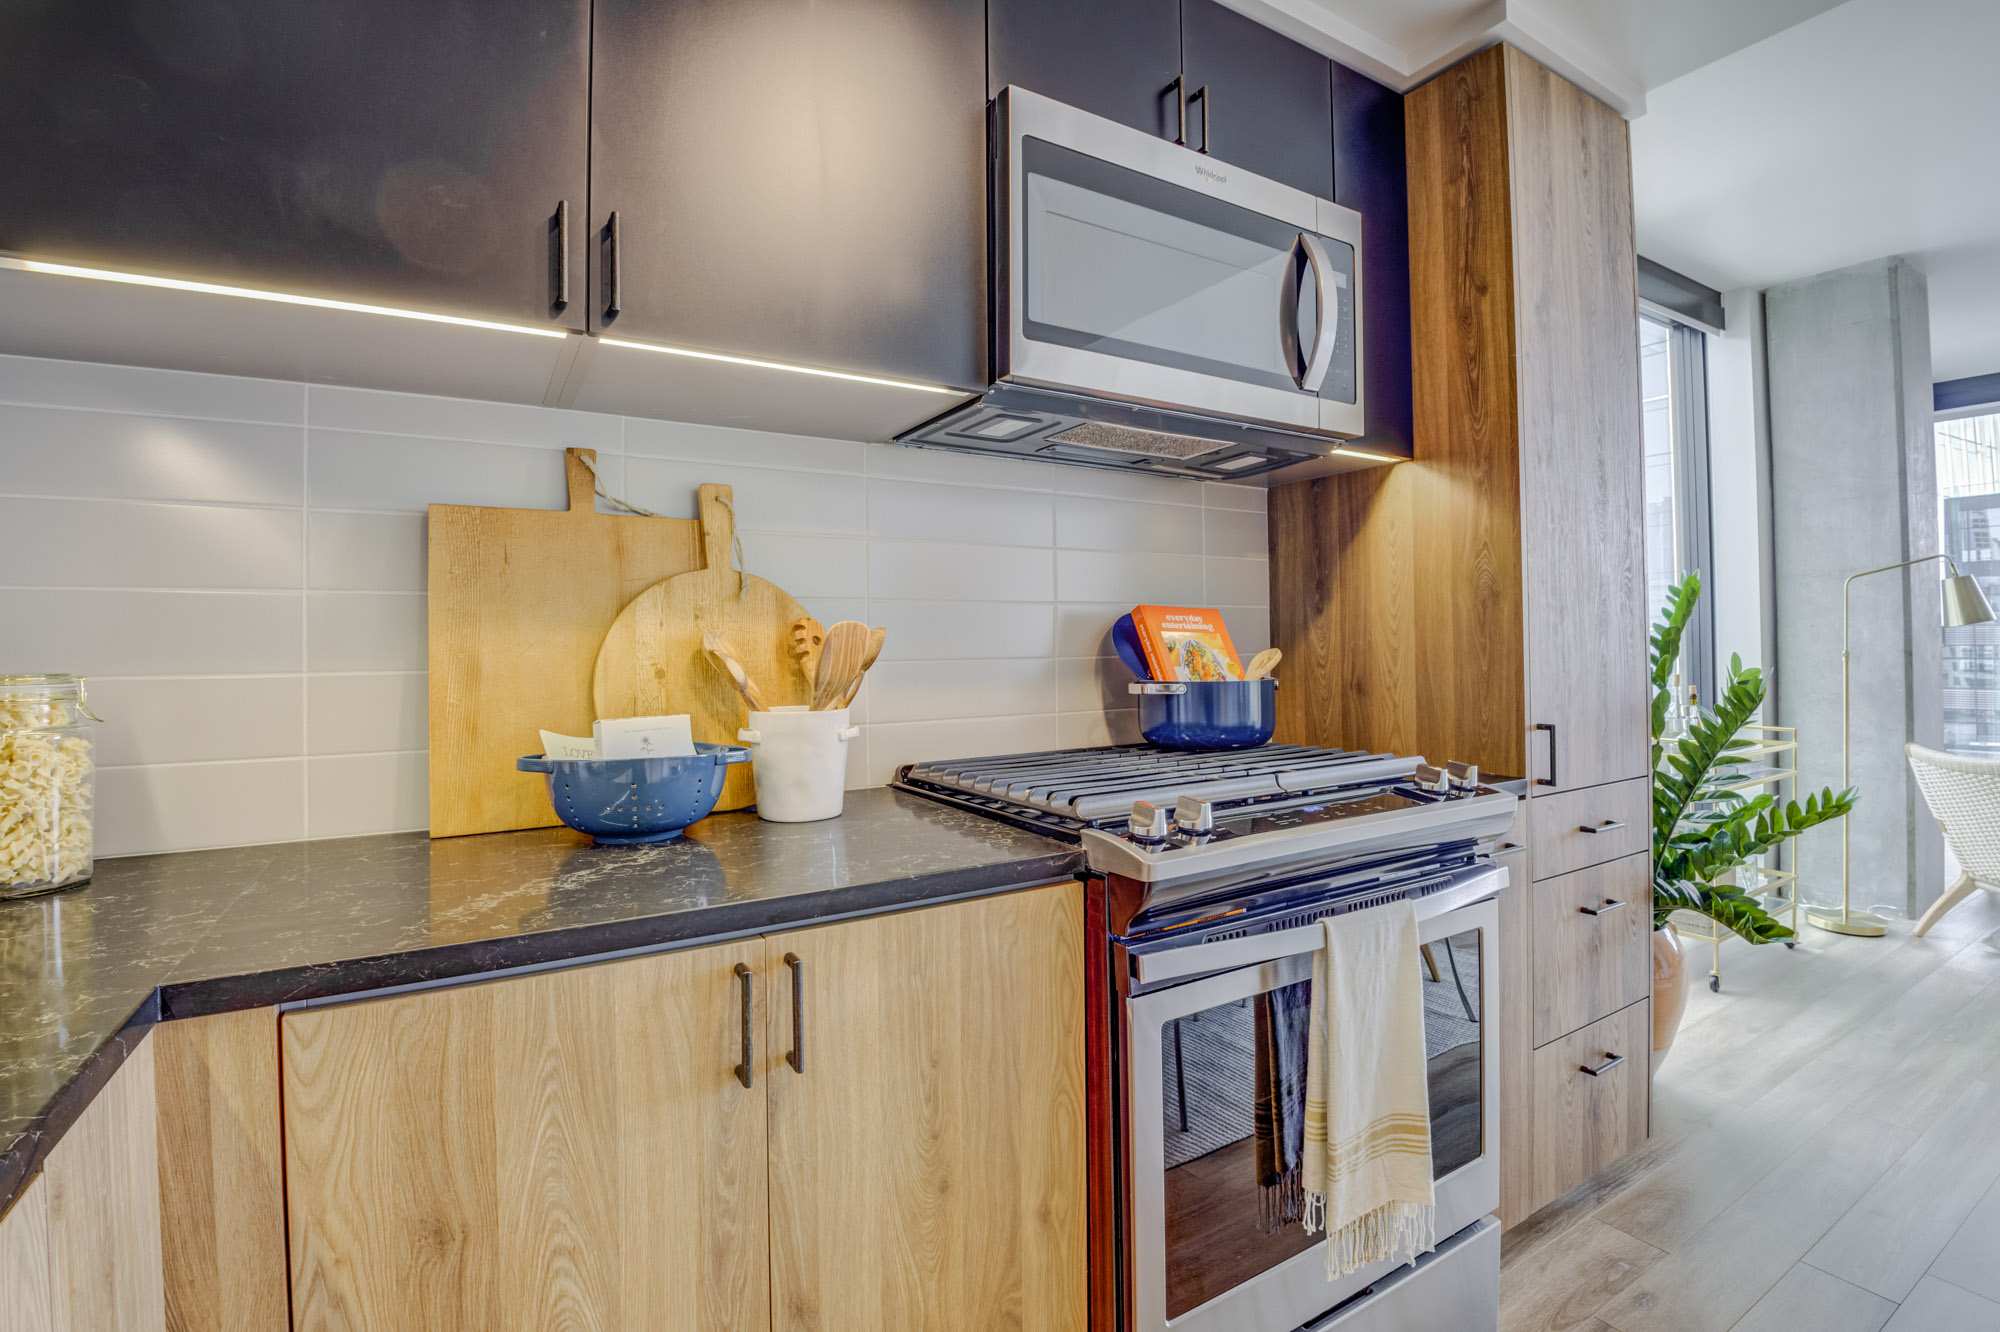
column 1141, row 270
column 1203, row 1258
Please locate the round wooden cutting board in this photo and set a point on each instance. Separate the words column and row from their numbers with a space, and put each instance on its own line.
column 652, row 662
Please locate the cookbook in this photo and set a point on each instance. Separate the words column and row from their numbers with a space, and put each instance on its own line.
column 1186, row 643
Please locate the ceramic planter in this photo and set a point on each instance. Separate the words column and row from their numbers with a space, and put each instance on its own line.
column 1670, row 990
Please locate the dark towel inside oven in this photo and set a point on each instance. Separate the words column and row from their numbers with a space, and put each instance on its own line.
column 1283, row 1024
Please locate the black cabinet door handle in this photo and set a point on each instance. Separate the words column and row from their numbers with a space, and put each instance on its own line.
column 613, row 287
column 1549, row 780
column 1609, row 825
column 1611, row 1061
column 797, row 1058
column 1610, row 904
column 1178, row 91
column 1199, row 95
column 745, row 1074
column 561, row 302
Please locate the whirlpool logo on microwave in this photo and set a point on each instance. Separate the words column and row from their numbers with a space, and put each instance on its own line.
column 1212, row 177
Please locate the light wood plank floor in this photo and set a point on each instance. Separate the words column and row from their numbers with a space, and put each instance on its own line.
column 1825, row 1154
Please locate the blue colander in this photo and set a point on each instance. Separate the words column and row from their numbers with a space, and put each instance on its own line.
column 623, row 801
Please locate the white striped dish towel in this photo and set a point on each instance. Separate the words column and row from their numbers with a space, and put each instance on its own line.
column 1368, row 1124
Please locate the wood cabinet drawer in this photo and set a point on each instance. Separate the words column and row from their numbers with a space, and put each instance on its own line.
column 1590, row 1099
column 1592, row 948
column 1577, row 828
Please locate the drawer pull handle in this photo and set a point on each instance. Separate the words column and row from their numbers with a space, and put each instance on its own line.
column 745, row 1074
column 1505, row 847
column 1610, row 904
column 1611, row 1061
column 1549, row 780
column 1609, row 825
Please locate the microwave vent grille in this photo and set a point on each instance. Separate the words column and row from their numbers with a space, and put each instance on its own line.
column 1125, row 439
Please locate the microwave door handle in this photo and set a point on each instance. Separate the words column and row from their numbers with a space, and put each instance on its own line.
column 1308, row 372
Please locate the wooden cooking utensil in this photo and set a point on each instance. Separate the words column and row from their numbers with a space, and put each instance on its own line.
column 1263, row 664
column 718, row 647
column 839, row 663
column 808, row 637
column 520, row 599
column 875, row 640
column 653, row 660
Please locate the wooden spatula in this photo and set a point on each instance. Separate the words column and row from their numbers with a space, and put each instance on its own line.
column 718, row 647
column 875, row 639
column 808, row 637
column 1263, row 664
column 839, row 663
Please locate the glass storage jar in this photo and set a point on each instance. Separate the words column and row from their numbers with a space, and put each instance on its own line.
column 47, row 784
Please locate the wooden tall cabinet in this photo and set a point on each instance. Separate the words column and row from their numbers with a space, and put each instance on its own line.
column 1485, row 602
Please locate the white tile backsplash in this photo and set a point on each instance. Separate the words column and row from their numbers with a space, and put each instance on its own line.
column 240, row 564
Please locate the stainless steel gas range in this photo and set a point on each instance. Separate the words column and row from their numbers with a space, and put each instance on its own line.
column 1208, row 874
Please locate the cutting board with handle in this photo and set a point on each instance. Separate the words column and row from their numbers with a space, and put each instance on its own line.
column 653, row 660
column 520, row 600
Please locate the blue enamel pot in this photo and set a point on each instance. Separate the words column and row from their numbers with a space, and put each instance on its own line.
column 1207, row 714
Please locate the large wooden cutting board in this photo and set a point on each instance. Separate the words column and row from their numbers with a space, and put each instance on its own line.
column 653, row 661
column 520, row 599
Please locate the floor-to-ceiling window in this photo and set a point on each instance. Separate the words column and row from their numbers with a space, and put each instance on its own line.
column 1968, row 464
column 1674, row 435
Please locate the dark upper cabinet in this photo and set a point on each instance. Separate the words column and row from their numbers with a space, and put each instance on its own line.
column 1114, row 58
column 802, row 183
column 1371, row 177
column 410, row 154
column 1257, row 99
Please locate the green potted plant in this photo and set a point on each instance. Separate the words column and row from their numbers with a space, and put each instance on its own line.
column 1701, row 829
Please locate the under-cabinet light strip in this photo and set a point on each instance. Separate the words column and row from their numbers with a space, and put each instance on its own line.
column 276, row 297
column 779, row 365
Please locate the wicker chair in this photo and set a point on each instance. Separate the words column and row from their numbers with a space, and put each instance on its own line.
column 1964, row 796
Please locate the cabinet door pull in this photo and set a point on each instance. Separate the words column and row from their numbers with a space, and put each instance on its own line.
column 1609, row 825
column 1178, row 90
column 1611, row 1061
column 1200, row 95
column 745, row 1074
column 562, row 255
column 1549, row 780
column 1610, row 904
column 1505, row 847
column 614, row 289
column 797, row 1058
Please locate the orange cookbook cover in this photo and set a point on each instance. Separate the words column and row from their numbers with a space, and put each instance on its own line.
column 1186, row 643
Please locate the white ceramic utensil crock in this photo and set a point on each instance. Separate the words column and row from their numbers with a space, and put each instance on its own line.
column 799, row 762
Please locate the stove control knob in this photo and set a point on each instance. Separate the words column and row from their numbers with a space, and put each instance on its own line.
column 1464, row 776
column 1192, row 814
column 1149, row 822
column 1429, row 778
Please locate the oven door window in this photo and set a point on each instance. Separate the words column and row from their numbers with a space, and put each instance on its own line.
column 1232, row 1095
column 1121, row 263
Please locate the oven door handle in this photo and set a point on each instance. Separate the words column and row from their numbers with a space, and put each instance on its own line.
column 1307, row 371
column 1197, row 959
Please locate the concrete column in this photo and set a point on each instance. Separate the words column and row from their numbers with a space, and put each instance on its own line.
column 1853, row 487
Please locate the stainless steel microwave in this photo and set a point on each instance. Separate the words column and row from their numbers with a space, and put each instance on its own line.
column 1155, row 309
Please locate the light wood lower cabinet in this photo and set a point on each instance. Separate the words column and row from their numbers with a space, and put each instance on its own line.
column 566, row 1150
column 1594, row 928
column 927, row 1163
column 1590, row 1099
column 577, row 1149
column 25, row 1304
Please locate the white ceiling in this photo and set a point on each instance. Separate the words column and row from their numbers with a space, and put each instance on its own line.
column 1771, row 139
column 1866, row 131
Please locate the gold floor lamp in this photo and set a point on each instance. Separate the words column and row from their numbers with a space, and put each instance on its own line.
column 1964, row 604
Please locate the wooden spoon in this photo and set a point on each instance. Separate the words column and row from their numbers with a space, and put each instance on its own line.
column 839, row 663
column 808, row 637
column 718, row 647
column 1263, row 664
column 875, row 639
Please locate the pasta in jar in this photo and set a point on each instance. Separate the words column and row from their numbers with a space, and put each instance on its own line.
column 47, row 784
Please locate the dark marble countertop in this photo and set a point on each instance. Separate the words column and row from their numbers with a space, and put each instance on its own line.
column 84, row 973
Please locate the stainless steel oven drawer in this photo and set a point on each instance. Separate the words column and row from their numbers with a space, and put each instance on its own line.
column 1455, row 1288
